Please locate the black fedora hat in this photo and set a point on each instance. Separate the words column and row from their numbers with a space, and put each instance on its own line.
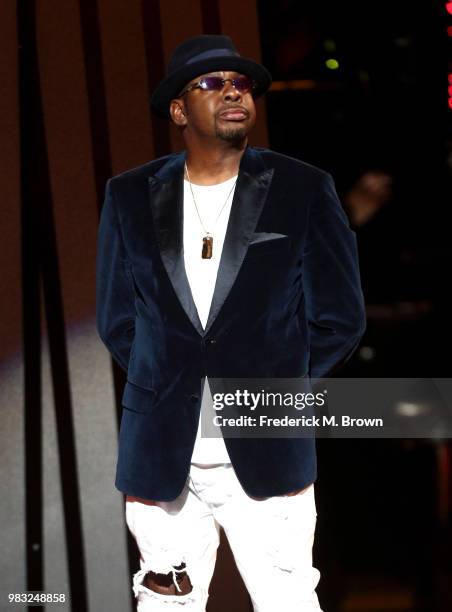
column 200, row 55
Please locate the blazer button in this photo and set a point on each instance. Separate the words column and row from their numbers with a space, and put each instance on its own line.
column 194, row 399
column 210, row 341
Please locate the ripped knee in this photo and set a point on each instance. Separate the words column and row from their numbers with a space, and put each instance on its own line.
column 176, row 582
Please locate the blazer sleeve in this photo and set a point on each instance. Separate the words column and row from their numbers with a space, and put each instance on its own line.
column 115, row 301
column 333, row 297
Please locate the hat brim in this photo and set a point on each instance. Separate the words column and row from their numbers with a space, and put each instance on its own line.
column 170, row 87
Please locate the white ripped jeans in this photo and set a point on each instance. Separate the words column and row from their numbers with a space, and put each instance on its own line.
column 271, row 540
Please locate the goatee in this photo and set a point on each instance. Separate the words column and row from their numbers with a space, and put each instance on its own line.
column 231, row 134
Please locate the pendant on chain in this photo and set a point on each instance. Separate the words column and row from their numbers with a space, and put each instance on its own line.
column 207, row 247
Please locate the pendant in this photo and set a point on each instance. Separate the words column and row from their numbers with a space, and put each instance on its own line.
column 207, row 246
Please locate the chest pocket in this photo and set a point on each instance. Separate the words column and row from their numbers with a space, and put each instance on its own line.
column 268, row 243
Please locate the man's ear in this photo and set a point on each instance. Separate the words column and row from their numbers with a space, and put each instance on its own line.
column 178, row 112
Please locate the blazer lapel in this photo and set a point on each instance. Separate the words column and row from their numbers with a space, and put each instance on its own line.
column 166, row 190
column 250, row 194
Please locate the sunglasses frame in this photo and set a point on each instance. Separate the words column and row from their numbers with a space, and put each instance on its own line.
column 198, row 84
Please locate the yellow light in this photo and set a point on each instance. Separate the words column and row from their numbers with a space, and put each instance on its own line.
column 332, row 64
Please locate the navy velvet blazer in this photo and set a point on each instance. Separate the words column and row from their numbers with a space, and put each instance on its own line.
column 287, row 303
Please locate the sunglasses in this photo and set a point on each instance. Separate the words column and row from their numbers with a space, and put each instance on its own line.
column 243, row 84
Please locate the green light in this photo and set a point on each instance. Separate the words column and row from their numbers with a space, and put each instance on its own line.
column 332, row 64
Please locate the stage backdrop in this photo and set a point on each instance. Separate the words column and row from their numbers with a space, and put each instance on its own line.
column 76, row 77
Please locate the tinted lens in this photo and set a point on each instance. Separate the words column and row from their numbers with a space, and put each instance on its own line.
column 243, row 84
column 212, row 82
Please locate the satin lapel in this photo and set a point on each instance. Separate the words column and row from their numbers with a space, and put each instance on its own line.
column 250, row 194
column 166, row 198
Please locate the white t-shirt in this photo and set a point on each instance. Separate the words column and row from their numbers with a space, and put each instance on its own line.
column 202, row 275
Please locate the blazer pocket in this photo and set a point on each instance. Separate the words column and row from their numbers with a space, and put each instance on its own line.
column 264, row 243
column 138, row 399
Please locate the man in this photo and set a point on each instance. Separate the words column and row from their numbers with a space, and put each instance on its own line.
column 223, row 261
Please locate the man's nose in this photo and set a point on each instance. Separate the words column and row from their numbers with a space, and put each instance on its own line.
column 230, row 92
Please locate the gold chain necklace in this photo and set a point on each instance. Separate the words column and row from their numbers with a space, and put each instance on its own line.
column 207, row 241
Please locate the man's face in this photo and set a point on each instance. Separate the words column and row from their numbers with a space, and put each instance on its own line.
column 225, row 114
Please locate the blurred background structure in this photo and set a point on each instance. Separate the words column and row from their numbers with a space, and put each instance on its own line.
column 362, row 90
